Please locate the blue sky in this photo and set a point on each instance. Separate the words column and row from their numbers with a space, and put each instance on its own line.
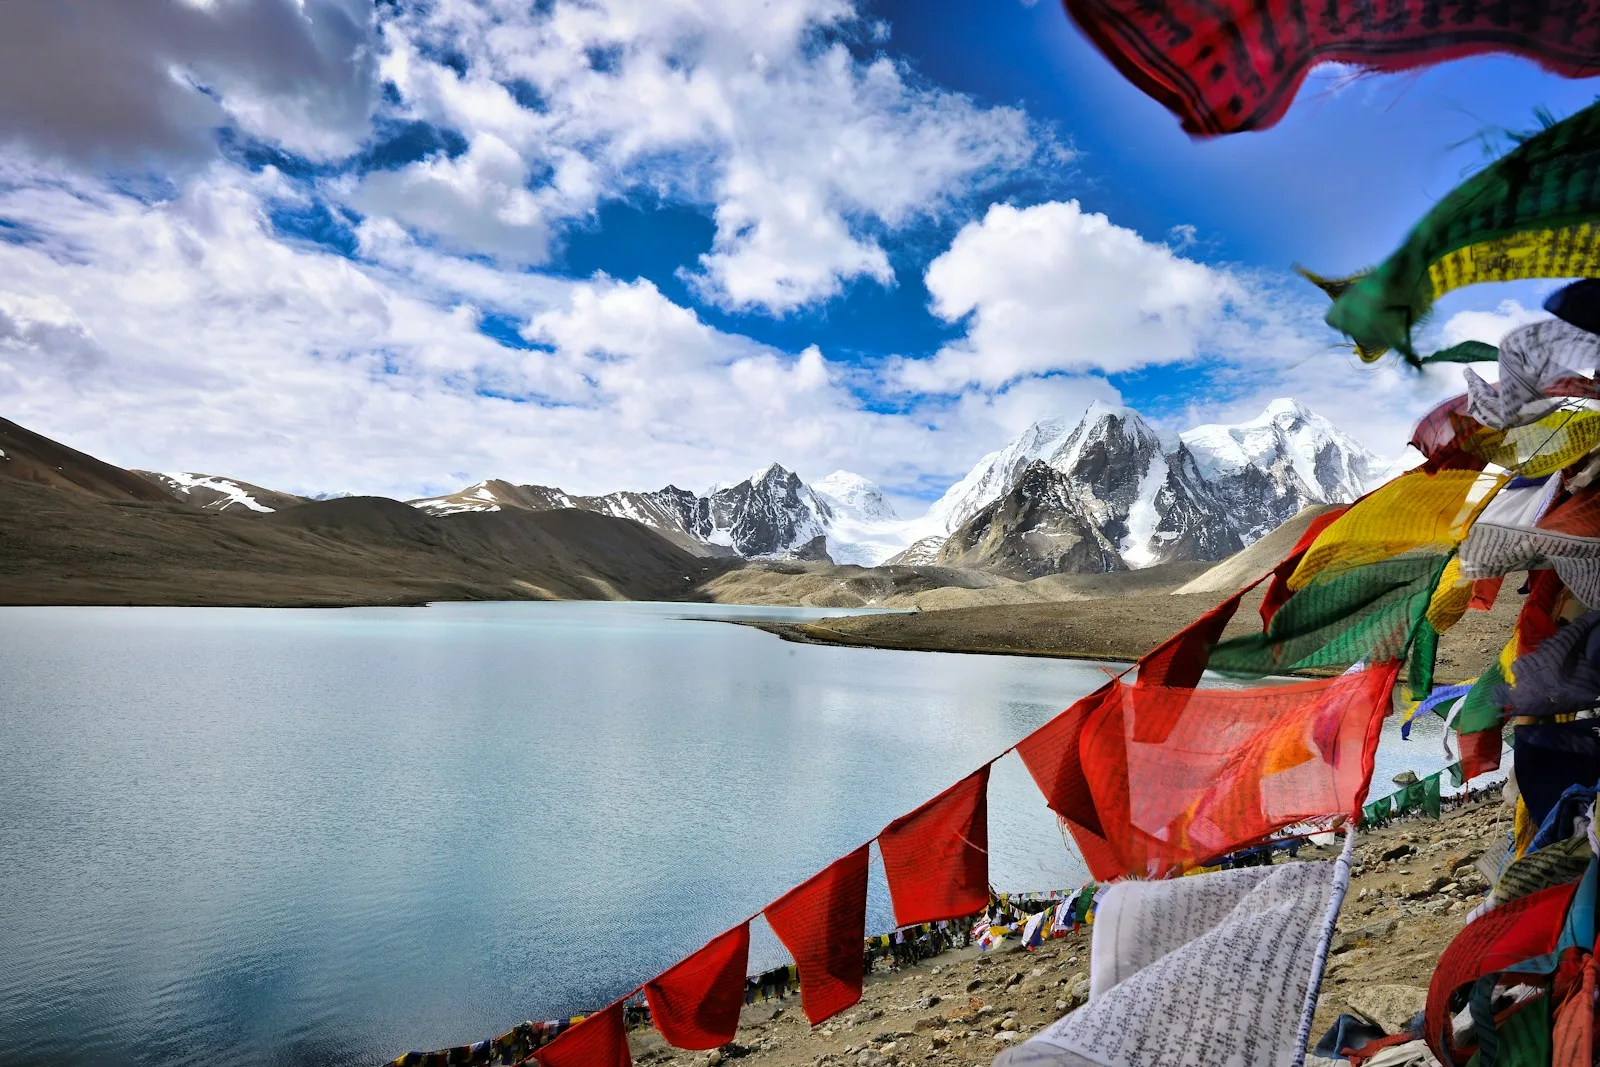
column 632, row 242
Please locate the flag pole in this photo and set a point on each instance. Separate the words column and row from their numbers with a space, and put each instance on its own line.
column 1336, row 892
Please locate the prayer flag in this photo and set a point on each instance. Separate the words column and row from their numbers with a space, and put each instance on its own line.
column 600, row 1040
column 937, row 857
column 696, row 1003
column 1216, row 769
column 1224, row 66
column 1194, row 972
column 1278, row 591
column 822, row 922
column 1032, row 933
column 1527, row 215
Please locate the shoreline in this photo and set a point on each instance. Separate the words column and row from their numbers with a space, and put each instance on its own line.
column 812, row 633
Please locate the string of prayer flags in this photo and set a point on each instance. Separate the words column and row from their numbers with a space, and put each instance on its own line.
column 1527, row 215
column 937, row 857
column 822, row 922
column 600, row 1040
column 1225, row 66
column 696, row 1002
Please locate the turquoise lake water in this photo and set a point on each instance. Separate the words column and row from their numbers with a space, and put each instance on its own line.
column 327, row 837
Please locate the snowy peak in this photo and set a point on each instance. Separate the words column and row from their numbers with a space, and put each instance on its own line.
column 220, row 494
column 1288, row 457
column 995, row 473
column 850, row 493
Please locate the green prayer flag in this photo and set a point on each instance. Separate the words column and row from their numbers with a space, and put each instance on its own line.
column 1362, row 614
column 1457, row 776
column 1430, row 795
column 1424, row 654
column 1465, row 352
column 1527, row 215
column 1480, row 708
column 1524, row 1039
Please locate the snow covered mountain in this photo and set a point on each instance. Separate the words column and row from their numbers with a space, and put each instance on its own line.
column 862, row 525
column 770, row 515
column 221, row 494
column 1269, row 468
column 1112, row 495
column 1099, row 493
column 1199, row 496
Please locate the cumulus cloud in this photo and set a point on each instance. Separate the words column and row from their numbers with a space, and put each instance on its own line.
column 185, row 334
column 1488, row 326
column 1054, row 288
column 805, row 152
column 126, row 82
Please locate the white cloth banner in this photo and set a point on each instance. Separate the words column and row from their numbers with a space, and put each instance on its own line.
column 1532, row 359
column 1207, row 971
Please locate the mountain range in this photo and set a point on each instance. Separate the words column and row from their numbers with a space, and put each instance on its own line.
column 1102, row 493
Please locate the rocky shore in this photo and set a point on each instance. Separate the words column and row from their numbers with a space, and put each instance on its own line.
column 1412, row 887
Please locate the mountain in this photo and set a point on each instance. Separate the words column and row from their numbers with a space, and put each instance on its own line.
column 1288, row 459
column 862, row 527
column 1200, row 496
column 221, row 494
column 1036, row 527
column 30, row 457
column 77, row 530
column 770, row 515
column 994, row 474
column 1112, row 495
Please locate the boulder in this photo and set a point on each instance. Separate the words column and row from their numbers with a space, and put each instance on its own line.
column 1390, row 1006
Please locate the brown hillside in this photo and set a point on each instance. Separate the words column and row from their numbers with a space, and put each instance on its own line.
column 31, row 457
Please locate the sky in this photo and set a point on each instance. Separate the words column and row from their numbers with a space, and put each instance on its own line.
column 398, row 247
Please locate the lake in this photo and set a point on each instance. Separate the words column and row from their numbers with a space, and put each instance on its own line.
column 327, row 837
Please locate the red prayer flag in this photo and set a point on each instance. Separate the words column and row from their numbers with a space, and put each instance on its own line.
column 1180, row 660
column 1222, row 66
column 823, row 922
column 696, row 1002
column 600, row 1040
column 937, row 857
column 1484, row 592
column 1518, row 930
column 1174, row 777
column 1480, row 752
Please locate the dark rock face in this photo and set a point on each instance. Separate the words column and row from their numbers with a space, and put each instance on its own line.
column 1110, row 498
column 771, row 514
column 1036, row 528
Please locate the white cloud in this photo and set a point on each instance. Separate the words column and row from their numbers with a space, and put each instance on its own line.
column 477, row 202
column 805, row 153
column 1054, row 288
column 123, row 82
column 1487, row 326
column 185, row 335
